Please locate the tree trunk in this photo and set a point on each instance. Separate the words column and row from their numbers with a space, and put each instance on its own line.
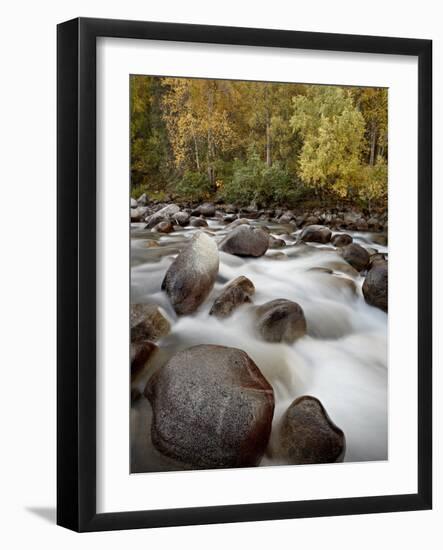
column 373, row 145
column 197, row 158
column 268, row 143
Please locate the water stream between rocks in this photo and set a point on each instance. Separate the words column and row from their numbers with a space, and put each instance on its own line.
column 342, row 360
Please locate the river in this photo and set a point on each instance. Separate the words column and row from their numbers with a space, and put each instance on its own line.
column 342, row 360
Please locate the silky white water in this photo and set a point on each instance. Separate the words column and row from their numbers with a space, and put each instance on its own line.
column 342, row 360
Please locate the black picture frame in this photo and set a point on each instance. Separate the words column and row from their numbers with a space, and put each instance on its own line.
column 76, row 281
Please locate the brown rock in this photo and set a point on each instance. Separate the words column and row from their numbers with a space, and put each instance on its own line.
column 308, row 436
column 356, row 255
column 236, row 293
column 316, row 234
column 341, row 239
column 148, row 323
column 245, row 241
column 212, row 408
column 375, row 286
column 280, row 321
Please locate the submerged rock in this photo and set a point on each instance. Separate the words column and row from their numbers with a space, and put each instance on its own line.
column 274, row 242
column 245, row 241
column 212, row 408
column 280, row 321
column 316, row 234
column 236, row 293
column 148, row 323
column 192, row 274
column 308, row 436
column 356, row 255
column 341, row 239
column 375, row 286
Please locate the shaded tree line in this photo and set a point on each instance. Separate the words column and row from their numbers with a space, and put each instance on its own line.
column 271, row 143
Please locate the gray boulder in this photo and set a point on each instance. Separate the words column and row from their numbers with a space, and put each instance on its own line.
column 245, row 241
column 164, row 214
column 192, row 274
column 280, row 321
column 207, row 209
column 236, row 293
column 308, row 436
column 133, row 203
column 212, row 408
column 341, row 239
column 181, row 218
column 375, row 286
column 316, row 234
column 356, row 255
column 148, row 323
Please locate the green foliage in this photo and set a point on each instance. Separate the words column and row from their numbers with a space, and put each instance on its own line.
column 194, row 186
column 258, row 141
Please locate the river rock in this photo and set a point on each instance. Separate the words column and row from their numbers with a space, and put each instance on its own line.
column 207, row 209
column 141, row 352
column 191, row 276
column 133, row 203
column 164, row 214
column 229, row 218
column 148, row 323
column 275, row 242
column 136, row 215
column 143, row 200
column 341, row 239
column 287, row 217
column 164, row 227
column 181, row 218
column 198, row 222
column 245, row 241
column 237, row 222
column 280, row 321
column 236, row 293
column 316, row 234
column 356, row 255
column 212, row 408
column 375, row 286
column 308, row 436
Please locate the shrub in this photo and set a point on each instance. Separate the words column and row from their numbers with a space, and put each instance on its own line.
column 194, row 186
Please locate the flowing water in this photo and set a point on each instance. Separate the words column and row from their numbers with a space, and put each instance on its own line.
column 342, row 360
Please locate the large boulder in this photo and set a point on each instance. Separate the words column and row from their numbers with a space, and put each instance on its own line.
column 375, row 286
column 308, row 436
column 236, row 293
column 356, row 255
column 212, row 408
column 181, row 218
column 164, row 214
column 207, row 209
column 316, row 234
column 192, row 274
column 245, row 241
column 148, row 323
column 280, row 321
column 341, row 239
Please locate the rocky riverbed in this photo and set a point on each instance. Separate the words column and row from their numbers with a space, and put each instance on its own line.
column 258, row 337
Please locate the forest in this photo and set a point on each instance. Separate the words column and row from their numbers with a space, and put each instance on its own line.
column 258, row 142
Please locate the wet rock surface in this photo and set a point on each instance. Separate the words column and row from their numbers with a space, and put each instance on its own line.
column 148, row 323
column 375, row 286
column 191, row 276
column 316, row 234
column 308, row 436
column 236, row 293
column 246, row 241
column 356, row 255
column 280, row 321
column 212, row 408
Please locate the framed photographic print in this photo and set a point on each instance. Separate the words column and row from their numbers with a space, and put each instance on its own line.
column 244, row 274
